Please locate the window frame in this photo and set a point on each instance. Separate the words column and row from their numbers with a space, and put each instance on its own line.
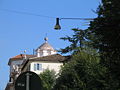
column 37, row 67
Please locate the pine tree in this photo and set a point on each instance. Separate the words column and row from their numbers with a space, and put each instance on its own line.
column 78, row 41
column 106, row 31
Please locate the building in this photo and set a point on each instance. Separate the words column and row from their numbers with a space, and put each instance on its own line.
column 15, row 64
column 45, row 49
column 46, row 57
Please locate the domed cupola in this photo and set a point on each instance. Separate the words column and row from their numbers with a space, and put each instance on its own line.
column 45, row 49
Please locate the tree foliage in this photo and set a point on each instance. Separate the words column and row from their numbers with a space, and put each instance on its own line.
column 77, row 41
column 82, row 73
column 95, row 64
column 48, row 78
column 106, row 33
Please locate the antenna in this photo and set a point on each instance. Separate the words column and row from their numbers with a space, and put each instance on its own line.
column 25, row 54
column 33, row 51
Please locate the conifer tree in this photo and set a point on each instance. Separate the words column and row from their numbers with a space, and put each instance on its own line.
column 77, row 41
column 106, row 31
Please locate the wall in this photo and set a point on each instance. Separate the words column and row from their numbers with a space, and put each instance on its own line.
column 15, row 62
column 45, row 65
column 41, row 53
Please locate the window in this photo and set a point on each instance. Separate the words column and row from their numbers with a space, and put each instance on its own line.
column 37, row 67
column 34, row 67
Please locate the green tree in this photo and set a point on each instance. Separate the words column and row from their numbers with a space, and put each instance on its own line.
column 48, row 78
column 83, row 72
column 106, row 38
column 77, row 41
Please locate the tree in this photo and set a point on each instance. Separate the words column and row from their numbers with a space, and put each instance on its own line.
column 83, row 72
column 78, row 41
column 48, row 79
column 106, row 33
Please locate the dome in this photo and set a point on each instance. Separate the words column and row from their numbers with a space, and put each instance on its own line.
column 46, row 46
column 45, row 49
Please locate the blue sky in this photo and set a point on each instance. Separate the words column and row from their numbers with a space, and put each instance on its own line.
column 20, row 31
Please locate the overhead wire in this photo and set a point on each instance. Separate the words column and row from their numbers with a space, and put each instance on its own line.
column 45, row 16
column 26, row 13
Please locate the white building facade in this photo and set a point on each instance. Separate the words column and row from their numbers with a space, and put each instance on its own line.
column 46, row 58
column 39, row 67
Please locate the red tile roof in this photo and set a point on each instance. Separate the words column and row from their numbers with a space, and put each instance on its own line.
column 21, row 56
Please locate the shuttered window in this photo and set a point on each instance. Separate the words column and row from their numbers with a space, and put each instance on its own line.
column 37, row 67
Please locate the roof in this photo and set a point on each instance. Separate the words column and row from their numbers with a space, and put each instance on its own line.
column 46, row 46
column 54, row 58
column 20, row 57
column 50, row 58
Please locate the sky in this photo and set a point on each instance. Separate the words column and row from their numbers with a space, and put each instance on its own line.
column 25, row 23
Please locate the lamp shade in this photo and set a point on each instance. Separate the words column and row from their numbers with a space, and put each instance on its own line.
column 57, row 26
